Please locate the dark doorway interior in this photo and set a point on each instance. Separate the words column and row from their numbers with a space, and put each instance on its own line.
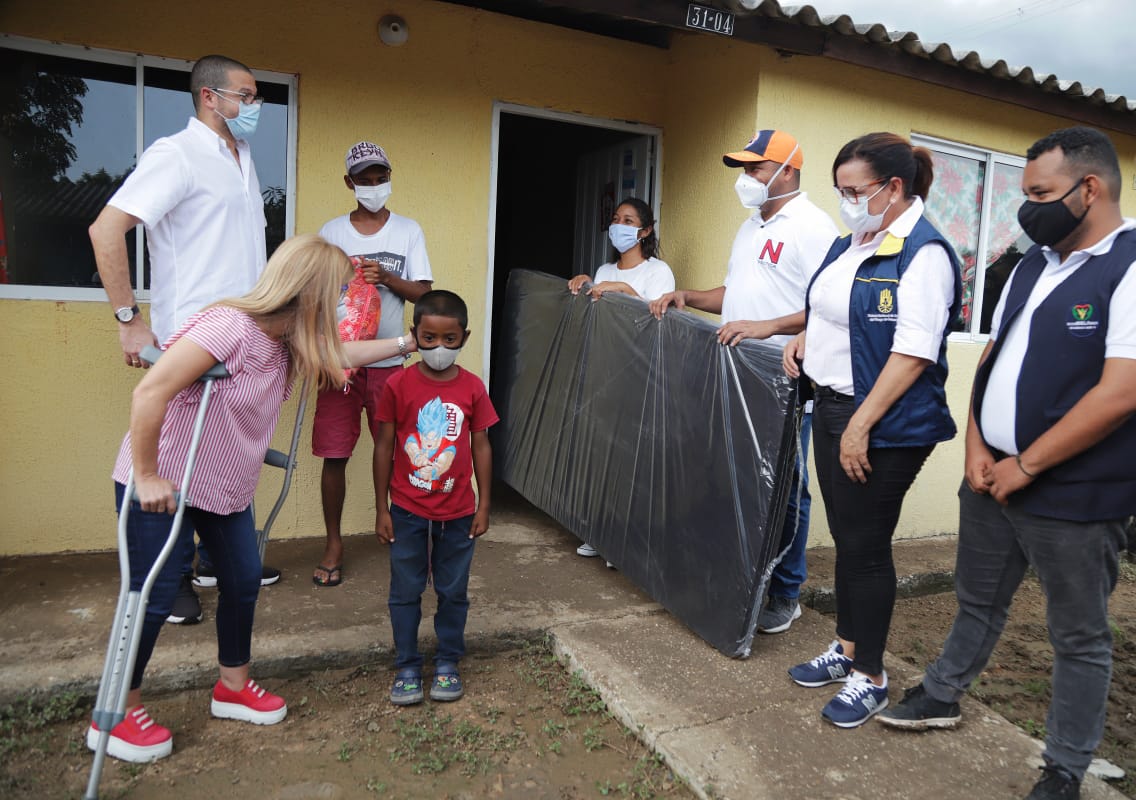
column 536, row 198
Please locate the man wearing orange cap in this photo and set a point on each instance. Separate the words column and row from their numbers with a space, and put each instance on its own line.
column 775, row 253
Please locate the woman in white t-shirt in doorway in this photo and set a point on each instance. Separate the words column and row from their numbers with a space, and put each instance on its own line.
column 637, row 271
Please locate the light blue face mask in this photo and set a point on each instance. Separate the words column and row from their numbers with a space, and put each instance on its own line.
column 243, row 125
column 623, row 237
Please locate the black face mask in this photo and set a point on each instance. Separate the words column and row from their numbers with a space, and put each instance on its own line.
column 1050, row 222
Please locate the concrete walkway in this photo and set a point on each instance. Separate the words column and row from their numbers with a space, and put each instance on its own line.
column 732, row 729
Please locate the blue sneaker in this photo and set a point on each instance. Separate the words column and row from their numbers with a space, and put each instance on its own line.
column 407, row 689
column 447, row 684
column 831, row 666
column 856, row 702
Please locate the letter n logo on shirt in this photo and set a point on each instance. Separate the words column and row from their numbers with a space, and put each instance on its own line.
column 771, row 252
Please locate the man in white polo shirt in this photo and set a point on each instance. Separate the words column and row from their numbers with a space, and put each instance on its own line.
column 198, row 196
column 775, row 253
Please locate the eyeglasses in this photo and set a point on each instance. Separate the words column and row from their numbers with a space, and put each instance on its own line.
column 852, row 193
column 244, row 97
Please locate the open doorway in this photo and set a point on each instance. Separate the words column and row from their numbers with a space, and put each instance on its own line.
column 556, row 180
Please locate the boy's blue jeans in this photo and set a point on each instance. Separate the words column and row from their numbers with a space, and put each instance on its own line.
column 446, row 549
column 232, row 539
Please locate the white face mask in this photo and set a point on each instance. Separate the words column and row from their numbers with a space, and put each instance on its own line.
column 373, row 198
column 753, row 193
column 439, row 358
column 857, row 218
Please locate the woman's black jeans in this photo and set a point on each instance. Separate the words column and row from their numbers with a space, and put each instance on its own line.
column 862, row 518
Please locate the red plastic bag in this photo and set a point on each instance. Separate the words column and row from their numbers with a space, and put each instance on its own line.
column 364, row 310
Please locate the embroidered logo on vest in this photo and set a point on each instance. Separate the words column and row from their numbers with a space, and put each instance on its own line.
column 887, row 301
column 1080, row 321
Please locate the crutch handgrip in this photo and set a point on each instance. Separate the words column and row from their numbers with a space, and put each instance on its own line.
column 151, row 354
column 274, row 458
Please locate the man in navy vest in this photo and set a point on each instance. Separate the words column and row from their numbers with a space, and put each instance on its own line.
column 1050, row 478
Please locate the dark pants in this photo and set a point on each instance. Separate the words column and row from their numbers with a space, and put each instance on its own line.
column 862, row 518
column 231, row 539
column 446, row 551
column 1077, row 565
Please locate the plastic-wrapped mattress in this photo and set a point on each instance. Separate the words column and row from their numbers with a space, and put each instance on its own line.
column 668, row 452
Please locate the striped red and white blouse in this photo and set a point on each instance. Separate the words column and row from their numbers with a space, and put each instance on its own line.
column 242, row 415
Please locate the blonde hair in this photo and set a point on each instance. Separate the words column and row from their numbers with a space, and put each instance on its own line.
column 297, row 293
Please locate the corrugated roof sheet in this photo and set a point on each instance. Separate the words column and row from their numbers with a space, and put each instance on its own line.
column 941, row 52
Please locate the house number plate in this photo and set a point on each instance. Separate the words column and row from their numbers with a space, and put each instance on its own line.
column 710, row 19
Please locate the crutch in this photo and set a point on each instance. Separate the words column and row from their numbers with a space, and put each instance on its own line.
column 126, row 631
column 286, row 462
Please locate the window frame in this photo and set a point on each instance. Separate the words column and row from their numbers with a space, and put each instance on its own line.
column 140, row 62
column 989, row 158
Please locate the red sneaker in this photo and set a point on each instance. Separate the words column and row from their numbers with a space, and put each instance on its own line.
column 137, row 738
column 250, row 704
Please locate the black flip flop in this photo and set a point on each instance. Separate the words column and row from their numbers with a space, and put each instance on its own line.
column 334, row 575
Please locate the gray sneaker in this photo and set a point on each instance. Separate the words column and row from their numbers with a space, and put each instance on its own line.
column 778, row 614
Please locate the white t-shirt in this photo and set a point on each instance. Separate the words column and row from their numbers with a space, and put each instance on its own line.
column 400, row 248
column 651, row 278
column 772, row 262
column 204, row 219
column 924, row 296
column 999, row 404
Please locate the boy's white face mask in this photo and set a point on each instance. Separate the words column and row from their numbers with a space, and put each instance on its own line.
column 439, row 358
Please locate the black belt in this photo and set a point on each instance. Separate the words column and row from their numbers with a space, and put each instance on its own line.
column 830, row 394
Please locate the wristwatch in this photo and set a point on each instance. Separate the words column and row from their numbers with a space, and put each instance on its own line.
column 402, row 348
column 126, row 313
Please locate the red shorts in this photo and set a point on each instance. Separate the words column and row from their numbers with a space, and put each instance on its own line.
column 336, row 427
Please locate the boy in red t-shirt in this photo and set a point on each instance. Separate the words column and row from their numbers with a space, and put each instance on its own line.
column 433, row 437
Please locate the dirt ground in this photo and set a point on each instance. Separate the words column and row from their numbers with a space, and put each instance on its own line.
column 526, row 729
column 1016, row 682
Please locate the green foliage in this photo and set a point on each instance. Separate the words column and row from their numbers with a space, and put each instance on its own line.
column 23, row 720
column 432, row 743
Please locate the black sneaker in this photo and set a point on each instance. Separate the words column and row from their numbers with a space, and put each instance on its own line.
column 205, row 577
column 1056, row 783
column 187, row 608
column 918, row 711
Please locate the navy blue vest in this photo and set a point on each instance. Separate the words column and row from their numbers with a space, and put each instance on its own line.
column 920, row 416
column 1063, row 361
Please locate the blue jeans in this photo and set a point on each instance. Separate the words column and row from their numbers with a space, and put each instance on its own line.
column 445, row 550
column 1077, row 564
column 232, row 540
column 791, row 570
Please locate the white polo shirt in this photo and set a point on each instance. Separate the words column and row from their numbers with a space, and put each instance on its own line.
column 204, row 219
column 924, row 296
column 999, row 404
column 773, row 260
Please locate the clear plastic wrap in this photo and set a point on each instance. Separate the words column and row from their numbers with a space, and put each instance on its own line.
column 668, row 452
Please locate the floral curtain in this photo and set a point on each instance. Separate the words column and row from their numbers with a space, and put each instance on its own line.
column 955, row 208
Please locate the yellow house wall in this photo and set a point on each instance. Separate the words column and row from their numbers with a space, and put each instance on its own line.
column 794, row 90
column 65, row 394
